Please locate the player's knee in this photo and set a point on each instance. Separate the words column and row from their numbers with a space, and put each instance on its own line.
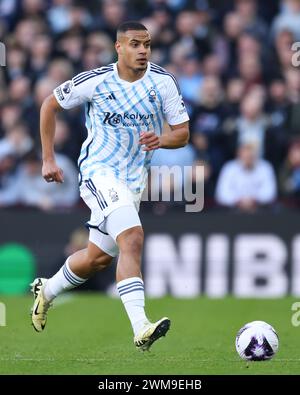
column 131, row 240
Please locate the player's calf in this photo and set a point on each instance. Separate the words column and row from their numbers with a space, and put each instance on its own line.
column 130, row 244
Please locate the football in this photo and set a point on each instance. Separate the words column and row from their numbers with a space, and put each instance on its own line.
column 257, row 341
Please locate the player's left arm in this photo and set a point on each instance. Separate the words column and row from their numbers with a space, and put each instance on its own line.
column 177, row 118
column 177, row 137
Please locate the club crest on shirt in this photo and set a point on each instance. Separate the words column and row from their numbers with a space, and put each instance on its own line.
column 152, row 95
column 113, row 195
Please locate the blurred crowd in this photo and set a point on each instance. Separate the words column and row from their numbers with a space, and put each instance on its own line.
column 236, row 69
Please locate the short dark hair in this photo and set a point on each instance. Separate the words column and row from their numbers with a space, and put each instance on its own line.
column 130, row 25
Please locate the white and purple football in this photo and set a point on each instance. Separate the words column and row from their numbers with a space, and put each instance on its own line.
column 257, row 341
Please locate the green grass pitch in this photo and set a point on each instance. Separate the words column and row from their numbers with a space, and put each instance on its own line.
column 90, row 334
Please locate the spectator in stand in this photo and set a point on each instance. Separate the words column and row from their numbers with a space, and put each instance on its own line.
column 35, row 192
column 8, row 166
column 233, row 29
column 203, row 159
column 250, row 70
column 16, row 140
column 247, row 11
column 30, row 189
column 252, row 125
column 40, row 53
column 247, row 182
column 64, row 16
column 27, row 30
column 111, row 14
column 288, row 19
column 285, row 55
column 16, row 62
column 235, row 90
column 9, row 11
column 103, row 46
column 10, row 114
column 212, row 66
column 289, row 175
column 292, row 77
column 189, row 78
column 60, row 70
column 208, row 118
column 13, row 146
column 164, row 34
column 277, row 109
column 19, row 91
column 42, row 89
column 278, row 54
column 59, row 15
column 250, row 46
column 206, row 33
column 186, row 24
column 64, row 142
column 278, row 103
column 70, row 45
column 33, row 7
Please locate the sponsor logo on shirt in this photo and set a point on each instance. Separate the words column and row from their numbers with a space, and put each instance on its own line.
column 127, row 119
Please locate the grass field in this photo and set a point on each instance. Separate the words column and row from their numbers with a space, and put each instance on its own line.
column 90, row 334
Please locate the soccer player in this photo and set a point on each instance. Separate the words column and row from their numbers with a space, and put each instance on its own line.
column 126, row 104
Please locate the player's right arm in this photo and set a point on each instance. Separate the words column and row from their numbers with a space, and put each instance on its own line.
column 70, row 94
column 50, row 171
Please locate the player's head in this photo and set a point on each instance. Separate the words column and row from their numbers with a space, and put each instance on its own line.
column 133, row 45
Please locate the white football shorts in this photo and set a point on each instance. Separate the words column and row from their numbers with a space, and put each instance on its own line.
column 104, row 195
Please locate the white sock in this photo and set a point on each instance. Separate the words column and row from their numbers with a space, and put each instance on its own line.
column 62, row 281
column 131, row 291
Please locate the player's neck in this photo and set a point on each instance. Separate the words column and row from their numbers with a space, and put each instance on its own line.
column 129, row 75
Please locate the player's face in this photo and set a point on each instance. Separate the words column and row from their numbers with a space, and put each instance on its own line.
column 134, row 49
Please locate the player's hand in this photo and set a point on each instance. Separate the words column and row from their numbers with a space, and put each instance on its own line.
column 51, row 172
column 150, row 140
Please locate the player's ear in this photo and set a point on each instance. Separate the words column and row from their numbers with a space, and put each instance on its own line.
column 117, row 46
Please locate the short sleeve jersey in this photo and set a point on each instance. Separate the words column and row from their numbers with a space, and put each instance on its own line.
column 117, row 111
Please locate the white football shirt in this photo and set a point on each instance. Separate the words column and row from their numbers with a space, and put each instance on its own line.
column 117, row 111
